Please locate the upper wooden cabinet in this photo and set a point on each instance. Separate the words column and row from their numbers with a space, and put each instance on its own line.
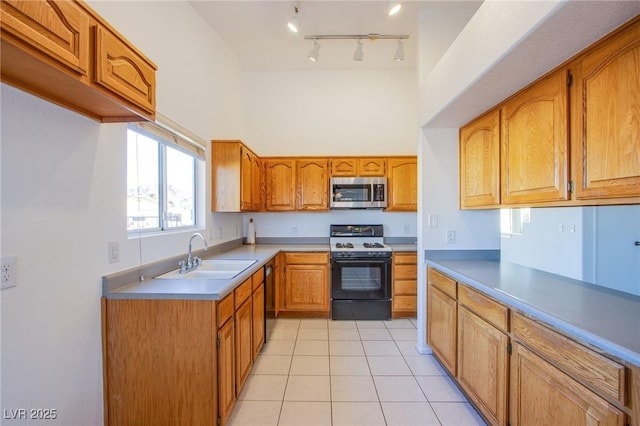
column 606, row 118
column 480, row 162
column 312, row 184
column 120, row 69
column 535, row 143
column 235, row 177
column 58, row 30
column 64, row 52
column 365, row 166
column 301, row 184
column 596, row 96
column 402, row 184
column 280, row 184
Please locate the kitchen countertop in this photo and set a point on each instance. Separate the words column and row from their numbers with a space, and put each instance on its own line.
column 190, row 289
column 605, row 319
column 151, row 288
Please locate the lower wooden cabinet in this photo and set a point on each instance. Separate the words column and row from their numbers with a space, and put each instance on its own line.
column 305, row 288
column 243, row 343
column 543, row 395
column 442, row 318
column 258, row 320
column 226, row 370
column 405, row 285
column 482, row 365
column 159, row 361
column 518, row 371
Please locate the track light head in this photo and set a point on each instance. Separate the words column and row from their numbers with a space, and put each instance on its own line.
column 294, row 22
column 399, row 55
column 313, row 55
column 358, row 55
column 394, row 7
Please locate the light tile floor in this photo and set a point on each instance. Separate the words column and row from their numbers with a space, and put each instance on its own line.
column 348, row 373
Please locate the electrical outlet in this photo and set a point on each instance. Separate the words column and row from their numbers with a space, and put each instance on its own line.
column 8, row 272
column 294, row 230
column 451, row 236
column 113, row 248
column 432, row 220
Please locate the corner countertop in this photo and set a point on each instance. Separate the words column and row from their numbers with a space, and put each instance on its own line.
column 201, row 289
column 605, row 319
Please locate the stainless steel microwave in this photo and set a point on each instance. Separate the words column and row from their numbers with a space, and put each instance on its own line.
column 358, row 193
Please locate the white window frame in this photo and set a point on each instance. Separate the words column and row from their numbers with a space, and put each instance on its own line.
column 166, row 137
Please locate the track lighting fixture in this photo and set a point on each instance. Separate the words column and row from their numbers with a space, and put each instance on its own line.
column 358, row 55
column 399, row 55
column 294, row 22
column 394, row 7
column 313, row 55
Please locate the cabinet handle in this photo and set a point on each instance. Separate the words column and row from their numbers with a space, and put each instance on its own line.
column 637, row 243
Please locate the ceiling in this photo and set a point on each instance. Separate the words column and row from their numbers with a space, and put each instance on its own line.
column 257, row 32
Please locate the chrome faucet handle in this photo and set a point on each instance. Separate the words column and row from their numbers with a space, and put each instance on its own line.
column 183, row 266
column 197, row 261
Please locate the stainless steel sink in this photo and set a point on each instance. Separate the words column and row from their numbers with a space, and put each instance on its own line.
column 212, row 269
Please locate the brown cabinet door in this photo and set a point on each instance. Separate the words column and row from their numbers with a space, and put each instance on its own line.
column 534, row 157
column 226, row 370
column 60, row 30
column 312, row 184
column 402, row 183
column 543, row 395
column 258, row 320
column 123, row 71
column 372, row 166
column 246, row 183
column 306, row 288
column 606, row 118
column 243, row 344
column 480, row 162
column 280, row 178
column 257, row 188
column 482, row 365
column 441, row 327
column 344, row 167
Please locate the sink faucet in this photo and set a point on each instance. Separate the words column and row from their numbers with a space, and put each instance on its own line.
column 192, row 262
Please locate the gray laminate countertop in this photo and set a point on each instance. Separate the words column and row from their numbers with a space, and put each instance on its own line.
column 205, row 289
column 605, row 319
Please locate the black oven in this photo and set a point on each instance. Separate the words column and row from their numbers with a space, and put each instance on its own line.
column 361, row 288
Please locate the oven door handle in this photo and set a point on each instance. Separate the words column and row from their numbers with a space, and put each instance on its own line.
column 367, row 260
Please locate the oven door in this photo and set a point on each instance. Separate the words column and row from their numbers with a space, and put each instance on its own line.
column 361, row 279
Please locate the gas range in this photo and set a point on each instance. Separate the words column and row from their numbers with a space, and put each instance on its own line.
column 351, row 241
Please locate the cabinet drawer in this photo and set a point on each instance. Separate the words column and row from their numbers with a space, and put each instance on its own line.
column 405, row 303
column 405, row 258
column 409, row 287
column 306, row 258
column 442, row 282
column 405, row 272
column 580, row 362
column 243, row 292
column 257, row 278
column 225, row 309
column 490, row 310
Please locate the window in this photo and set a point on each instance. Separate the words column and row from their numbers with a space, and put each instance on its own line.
column 162, row 181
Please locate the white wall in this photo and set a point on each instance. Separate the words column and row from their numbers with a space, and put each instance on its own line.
column 331, row 112
column 64, row 197
column 310, row 224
